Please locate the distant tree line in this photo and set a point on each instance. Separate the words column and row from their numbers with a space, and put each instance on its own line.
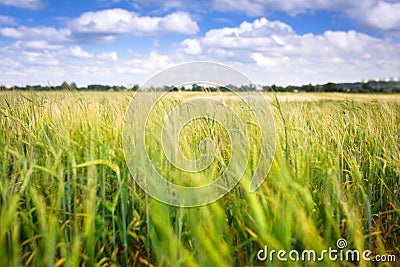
column 357, row 87
column 70, row 87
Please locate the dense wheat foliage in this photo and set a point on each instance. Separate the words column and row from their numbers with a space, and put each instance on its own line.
column 67, row 197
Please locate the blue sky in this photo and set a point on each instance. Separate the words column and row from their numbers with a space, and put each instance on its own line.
column 123, row 42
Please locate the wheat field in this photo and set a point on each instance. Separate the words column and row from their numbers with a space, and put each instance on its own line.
column 67, row 197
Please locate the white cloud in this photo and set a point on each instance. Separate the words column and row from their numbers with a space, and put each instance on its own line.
column 27, row 63
column 11, row 33
column 40, row 58
column 276, row 54
column 111, row 21
column 268, row 51
column 178, row 22
column 118, row 21
column 191, row 46
column 380, row 15
column 167, row 5
column 29, row 4
column 79, row 52
column 36, row 45
column 48, row 34
column 260, row 34
column 262, row 7
column 108, row 56
column 253, row 8
column 146, row 65
column 25, row 55
column 103, row 26
column 6, row 20
column 384, row 16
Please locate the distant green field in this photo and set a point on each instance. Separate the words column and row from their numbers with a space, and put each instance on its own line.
column 67, row 197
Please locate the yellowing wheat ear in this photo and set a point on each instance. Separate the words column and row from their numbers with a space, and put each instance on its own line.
column 215, row 152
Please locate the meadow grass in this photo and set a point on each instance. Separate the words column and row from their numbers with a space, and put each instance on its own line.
column 67, row 197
